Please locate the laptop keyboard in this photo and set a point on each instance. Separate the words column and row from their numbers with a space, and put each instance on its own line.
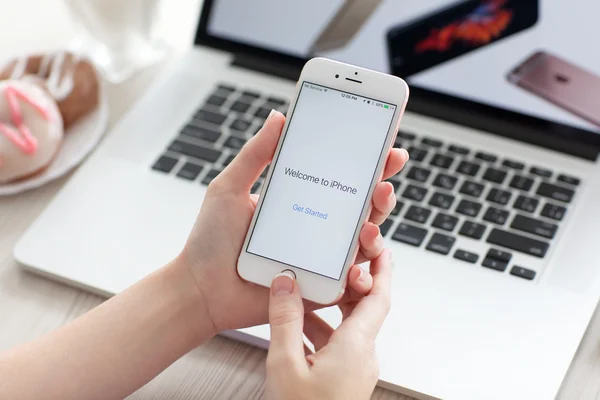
column 216, row 132
column 447, row 190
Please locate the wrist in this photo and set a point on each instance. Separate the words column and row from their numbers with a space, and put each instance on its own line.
column 195, row 309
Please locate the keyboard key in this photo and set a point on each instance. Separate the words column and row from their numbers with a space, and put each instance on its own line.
column 418, row 174
column 496, row 215
column 486, row 157
column 544, row 173
column 472, row 189
column 210, row 116
column 210, row 175
column 513, row 164
column 499, row 196
column 234, row 142
column 255, row 188
column 527, row 204
column 522, row 273
column 385, row 227
column 468, row 208
column 499, row 255
column 466, row 256
column 458, row 149
column 262, row 113
column 417, row 214
column 240, row 106
column 534, row 226
column 468, row 168
column 472, row 230
column 432, row 142
column 569, row 180
column 406, row 135
column 276, row 100
column 494, row 175
column 495, row 264
column 445, row 181
column 441, row 200
column 519, row 243
column 228, row 160
column 415, row 193
column 196, row 151
column 445, row 222
column 216, row 100
column 164, row 164
column 554, row 212
column 396, row 184
column 409, row 234
column 397, row 208
column 441, row 244
column 521, row 183
column 251, row 94
column 240, row 125
column 189, row 171
column 207, row 134
column 398, row 143
column 555, row 192
column 226, row 88
column 417, row 154
column 442, row 161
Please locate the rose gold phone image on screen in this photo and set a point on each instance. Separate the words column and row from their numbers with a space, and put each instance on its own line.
column 561, row 83
column 345, row 24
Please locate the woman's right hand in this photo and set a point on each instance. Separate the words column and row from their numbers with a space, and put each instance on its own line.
column 344, row 365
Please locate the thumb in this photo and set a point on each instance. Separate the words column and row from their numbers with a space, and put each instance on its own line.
column 286, row 316
column 251, row 161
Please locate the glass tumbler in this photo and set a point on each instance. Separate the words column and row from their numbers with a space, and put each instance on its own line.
column 118, row 35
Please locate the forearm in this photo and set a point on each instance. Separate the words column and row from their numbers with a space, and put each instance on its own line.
column 115, row 348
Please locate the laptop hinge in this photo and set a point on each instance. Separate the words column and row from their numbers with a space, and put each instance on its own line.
column 266, row 66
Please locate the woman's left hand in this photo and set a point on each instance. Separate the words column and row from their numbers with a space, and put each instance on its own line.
column 214, row 245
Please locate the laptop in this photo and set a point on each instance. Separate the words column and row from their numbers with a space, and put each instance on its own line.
column 495, row 233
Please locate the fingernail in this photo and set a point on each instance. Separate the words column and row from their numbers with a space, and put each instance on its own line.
column 407, row 154
column 269, row 117
column 392, row 193
column 283, row 283
column 361, row 275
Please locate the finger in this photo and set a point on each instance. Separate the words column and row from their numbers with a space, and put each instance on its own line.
column 360, row 283
column 254, row 199
column 369, row 313
column 307, row 350
column 371, row 242
column 384, row 201
column 246, row 167
column 395, row 162
column 347, row 309
column 286, row 318
column 317, row 330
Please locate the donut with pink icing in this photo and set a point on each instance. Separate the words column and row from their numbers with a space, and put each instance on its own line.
column 72, row 81
column 31, row 130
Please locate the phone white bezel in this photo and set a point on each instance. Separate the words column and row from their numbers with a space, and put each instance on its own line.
column 363, row 82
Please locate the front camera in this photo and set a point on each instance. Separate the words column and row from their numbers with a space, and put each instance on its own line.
column 337, row 76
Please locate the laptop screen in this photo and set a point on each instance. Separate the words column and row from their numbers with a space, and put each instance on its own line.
column 535, row 57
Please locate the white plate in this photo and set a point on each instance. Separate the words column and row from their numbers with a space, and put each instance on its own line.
column 78, row 142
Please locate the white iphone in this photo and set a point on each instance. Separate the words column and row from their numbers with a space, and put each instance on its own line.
column 341, row 125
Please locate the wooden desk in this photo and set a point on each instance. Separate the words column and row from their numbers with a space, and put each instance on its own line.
column 31, row 306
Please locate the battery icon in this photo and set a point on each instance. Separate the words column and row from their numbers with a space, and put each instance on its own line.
column 386, row 106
